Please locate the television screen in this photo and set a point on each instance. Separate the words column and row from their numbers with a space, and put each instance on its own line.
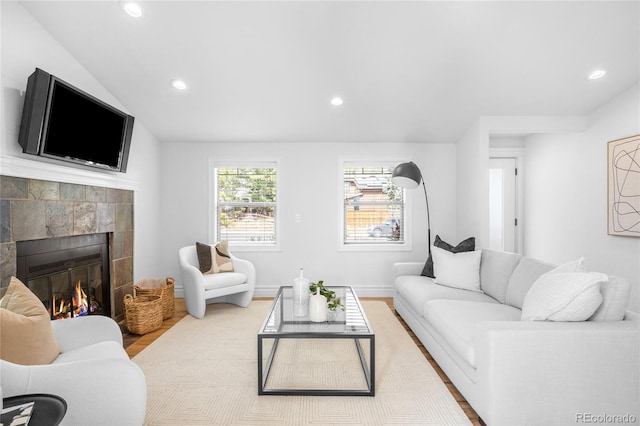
column 79, row 128
column 62, row 122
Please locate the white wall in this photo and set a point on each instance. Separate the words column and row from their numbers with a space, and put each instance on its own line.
column 25, row 46
column 566, row 194
column 309, row 185
column 472, row 215
column 473, row 151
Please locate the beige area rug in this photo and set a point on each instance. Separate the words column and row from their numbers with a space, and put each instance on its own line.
column 204, row 372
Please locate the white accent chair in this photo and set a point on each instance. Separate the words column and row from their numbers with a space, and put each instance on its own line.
column 93, row 374
column 226, row 287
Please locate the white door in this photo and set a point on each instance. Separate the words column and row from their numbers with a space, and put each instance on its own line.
column 503, row 204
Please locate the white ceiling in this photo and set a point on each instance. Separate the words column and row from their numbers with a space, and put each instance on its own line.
column 408, row 71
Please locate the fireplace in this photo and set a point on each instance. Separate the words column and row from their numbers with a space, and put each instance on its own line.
column 69, row 274
column 33, row 210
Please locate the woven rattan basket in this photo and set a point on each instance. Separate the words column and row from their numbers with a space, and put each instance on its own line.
column 143, row 313
column 165, row 292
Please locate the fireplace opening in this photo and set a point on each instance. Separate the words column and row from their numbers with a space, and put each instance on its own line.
column 70, row 275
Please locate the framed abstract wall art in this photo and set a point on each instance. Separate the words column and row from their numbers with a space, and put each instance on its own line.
column 623, row 181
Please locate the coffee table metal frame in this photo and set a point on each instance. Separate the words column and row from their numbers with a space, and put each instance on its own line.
column 351, row 324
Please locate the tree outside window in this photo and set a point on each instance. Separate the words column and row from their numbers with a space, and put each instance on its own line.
column 246, row 205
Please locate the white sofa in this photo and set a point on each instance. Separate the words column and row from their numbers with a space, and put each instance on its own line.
column 516, row 372
column 93, row 374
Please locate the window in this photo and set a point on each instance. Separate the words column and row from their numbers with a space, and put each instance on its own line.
column 245, row 205
column 373, row 207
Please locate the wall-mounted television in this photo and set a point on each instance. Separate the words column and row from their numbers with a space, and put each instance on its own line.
column 62, row 122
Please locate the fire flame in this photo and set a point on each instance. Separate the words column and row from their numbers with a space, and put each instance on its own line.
column 79, row 304
column 60, row 308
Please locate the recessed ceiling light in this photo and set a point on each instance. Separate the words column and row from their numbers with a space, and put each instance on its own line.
column 132, row 9
column 597, row 74
column 179, row 84
column 337, row 101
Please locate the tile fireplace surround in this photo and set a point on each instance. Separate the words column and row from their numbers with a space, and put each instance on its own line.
column 32, row 209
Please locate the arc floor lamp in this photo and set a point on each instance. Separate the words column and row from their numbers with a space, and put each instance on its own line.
column 408, row 175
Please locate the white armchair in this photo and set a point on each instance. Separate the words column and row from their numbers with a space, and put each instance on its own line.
column 227, row 287
column 93, row 374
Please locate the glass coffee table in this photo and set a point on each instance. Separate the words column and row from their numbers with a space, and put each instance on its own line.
column 352, row 323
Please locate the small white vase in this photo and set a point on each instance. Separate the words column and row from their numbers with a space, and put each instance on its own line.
column 301, row 296
column 318, row 307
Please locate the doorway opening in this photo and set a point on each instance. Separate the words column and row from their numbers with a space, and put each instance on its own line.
column 504, row 207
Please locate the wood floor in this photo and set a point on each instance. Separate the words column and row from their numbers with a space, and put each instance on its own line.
column 134, row 344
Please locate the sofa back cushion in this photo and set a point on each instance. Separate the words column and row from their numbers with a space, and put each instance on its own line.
column 615, row 296
column 496, row 268
column 523, row 277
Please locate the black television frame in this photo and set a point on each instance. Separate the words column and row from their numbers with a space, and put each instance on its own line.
column 36, row 115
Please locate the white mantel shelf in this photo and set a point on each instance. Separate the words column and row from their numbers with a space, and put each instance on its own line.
column 25, row 168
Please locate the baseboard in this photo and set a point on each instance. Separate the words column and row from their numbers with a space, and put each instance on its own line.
column 270, row 291
column 360, row 291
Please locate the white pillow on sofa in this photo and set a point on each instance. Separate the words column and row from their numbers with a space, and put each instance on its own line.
column 615, row 293
column 572, row 266
column 459, row 270
column 563, row 296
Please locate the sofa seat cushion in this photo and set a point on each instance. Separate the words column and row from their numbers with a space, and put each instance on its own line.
column 416, row 290
column 457, row 320
column 101, row 350
column 223, row 279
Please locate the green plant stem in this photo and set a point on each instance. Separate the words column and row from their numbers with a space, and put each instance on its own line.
column 333, row 302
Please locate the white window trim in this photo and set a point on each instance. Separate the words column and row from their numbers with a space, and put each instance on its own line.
column 213, row 198
column 407, row 245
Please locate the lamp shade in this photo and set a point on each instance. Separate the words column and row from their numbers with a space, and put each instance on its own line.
column 406, row 175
